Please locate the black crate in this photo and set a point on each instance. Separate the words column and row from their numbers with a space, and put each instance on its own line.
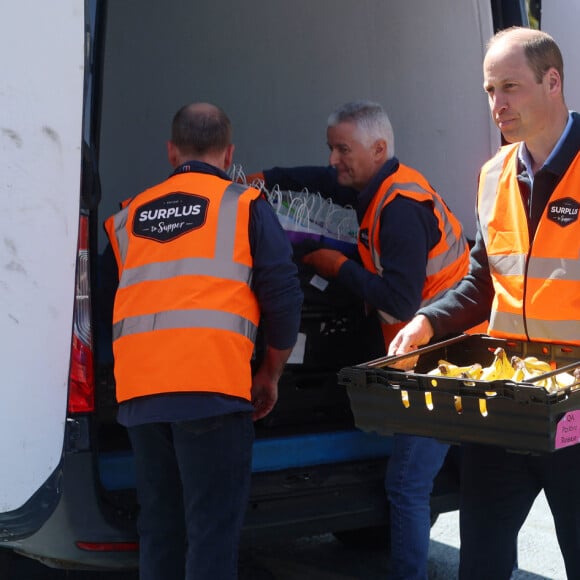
column 333, row 340
column 517, row 416
column 307, row 402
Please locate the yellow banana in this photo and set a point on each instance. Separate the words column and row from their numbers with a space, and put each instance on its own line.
column 549, row 384
column 564, row 380
column 537, row 366
column 515, row 369
column 447, row 369
column 474, row 371
column 500, row 368
column 521, row 372
column 489, row 373
column 519, row 369
column 440, row 369
column 505, row 367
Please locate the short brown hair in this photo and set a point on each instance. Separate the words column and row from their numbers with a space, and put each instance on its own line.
column 540, row 49
column 200, row 128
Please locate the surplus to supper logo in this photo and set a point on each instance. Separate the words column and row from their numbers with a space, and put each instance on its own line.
column 171, row 216
column 563, row 211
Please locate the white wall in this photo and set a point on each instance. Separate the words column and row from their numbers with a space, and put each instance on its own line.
column 561, row 19
column 279, row 68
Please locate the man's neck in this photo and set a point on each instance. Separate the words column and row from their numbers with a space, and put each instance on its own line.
column 540, row 149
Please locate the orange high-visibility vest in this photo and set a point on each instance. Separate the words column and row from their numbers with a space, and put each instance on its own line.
column 447, row 261
column 537, row 285
column 185, row 318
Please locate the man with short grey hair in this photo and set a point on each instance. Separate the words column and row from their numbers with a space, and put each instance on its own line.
column 411, row 249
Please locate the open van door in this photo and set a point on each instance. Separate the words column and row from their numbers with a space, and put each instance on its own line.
column 41, row 103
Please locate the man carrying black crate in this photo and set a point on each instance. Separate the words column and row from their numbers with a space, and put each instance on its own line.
column 525, row 268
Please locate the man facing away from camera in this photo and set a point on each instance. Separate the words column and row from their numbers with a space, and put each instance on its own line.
column 202, row 263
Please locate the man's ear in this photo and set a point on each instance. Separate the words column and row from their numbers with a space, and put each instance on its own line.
column 380, row 149
column 172, row 154
column 228, row 156
column 554, row 80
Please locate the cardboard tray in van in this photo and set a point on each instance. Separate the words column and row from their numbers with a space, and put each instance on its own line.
column 518, row 416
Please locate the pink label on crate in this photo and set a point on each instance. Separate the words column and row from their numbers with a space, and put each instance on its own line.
column 568, row 430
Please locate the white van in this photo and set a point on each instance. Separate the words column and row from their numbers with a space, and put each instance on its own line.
column 86, row 97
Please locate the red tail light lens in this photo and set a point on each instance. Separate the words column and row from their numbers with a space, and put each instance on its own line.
column 81, row 398
column 108, row 546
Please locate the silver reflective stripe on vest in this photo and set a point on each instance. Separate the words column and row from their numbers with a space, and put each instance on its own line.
column 489, row 192
column 453, row 253
column 556, row 330
column 554, row 269
column 184, row 267
column 221, row 265
column 508, row 265
column 185, row 319
column 511, row 324
column 550, row 330
column 515, row 265
column 455, row 250
column 456, row 246
column 119, row 226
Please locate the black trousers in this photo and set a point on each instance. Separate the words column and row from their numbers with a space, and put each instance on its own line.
column 498, row 489
column 193, row 481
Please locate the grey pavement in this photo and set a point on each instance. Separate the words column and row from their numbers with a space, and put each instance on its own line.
column 539, row 555
column 325, row 558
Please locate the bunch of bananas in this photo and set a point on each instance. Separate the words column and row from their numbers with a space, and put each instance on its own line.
column 515, row 369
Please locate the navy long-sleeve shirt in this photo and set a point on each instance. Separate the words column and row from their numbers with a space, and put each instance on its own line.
column 408, row 231
column 470, row 302
column 277, row 288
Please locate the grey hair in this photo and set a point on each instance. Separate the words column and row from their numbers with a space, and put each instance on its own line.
column 370, row 118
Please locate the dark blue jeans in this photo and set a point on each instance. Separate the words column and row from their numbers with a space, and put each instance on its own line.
column 193, row 480
column 412, row 467
column 498, row 489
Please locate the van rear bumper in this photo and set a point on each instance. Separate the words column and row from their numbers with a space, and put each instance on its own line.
column 27, row 519
column 301, row 500
column 329, row 487
column 80, row 516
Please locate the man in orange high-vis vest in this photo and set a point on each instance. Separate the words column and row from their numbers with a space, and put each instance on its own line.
column 524, row 277
column 413, row 250
column 202, row 263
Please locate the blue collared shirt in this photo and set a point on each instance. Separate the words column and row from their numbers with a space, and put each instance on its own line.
column 524, row 154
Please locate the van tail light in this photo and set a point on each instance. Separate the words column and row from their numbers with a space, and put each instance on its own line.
column 108, row 546
column 81, row 392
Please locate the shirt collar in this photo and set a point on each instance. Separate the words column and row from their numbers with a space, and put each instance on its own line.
column 524, row 155
column 200, row 167
column 366, row 195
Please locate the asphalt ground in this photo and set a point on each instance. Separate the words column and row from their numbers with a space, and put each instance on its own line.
column 325, row 558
